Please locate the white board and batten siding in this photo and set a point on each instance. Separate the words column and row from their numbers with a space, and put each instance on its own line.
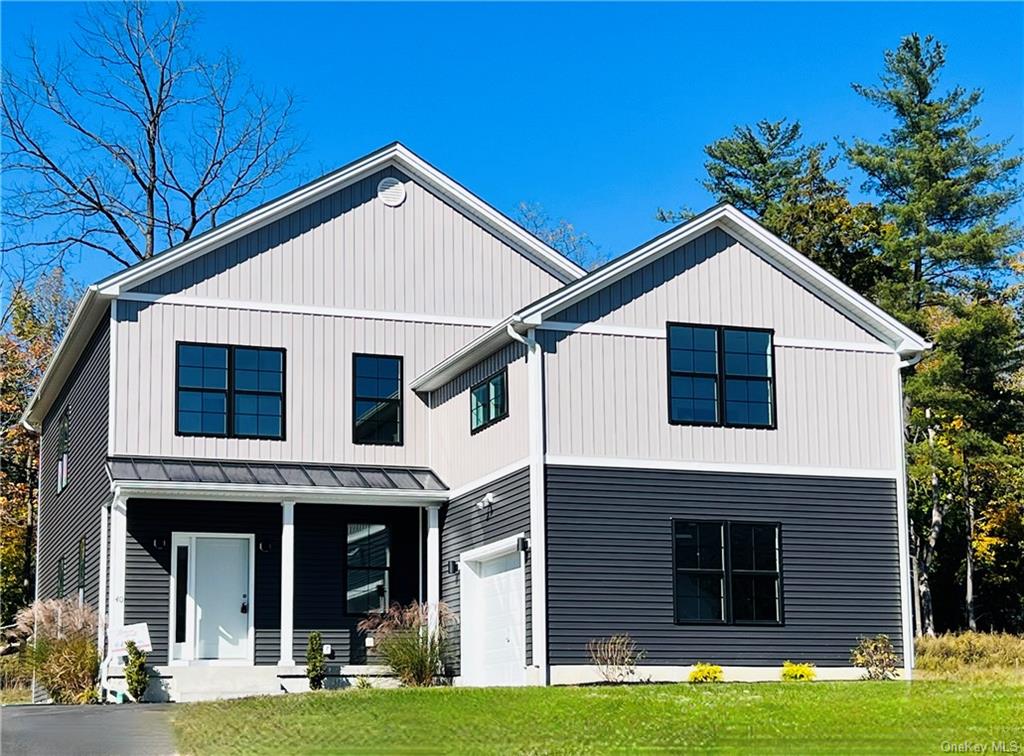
column 346, row 274
column 351, row 251
column 461, row 456
column 607, row 390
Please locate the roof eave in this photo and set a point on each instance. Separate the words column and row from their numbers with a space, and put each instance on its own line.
column 143, row 489
column 80, row 329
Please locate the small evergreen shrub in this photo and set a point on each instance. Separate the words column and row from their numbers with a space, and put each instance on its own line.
column 616, row 657
column 135, row 673
column 316, row 665
column 876, row 656
column 794, row 672
column 706, row 673
column 416, row 656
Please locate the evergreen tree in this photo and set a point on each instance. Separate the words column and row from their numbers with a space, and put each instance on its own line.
column 948, row 250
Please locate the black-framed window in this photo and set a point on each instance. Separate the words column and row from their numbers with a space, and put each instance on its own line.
column 367, row 567
column 377, row 399
column 60, row 577
column 80, row 585
column 727, row 572
column 230, row 391
column 488, row 401
column 63, row 450
column 700, row 571
column 719, row 375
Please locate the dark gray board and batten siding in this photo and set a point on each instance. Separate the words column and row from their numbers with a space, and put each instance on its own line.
column 74, row 513
column 610, row 563
column 465, row 527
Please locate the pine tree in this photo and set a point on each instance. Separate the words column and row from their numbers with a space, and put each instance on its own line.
column 948, row 249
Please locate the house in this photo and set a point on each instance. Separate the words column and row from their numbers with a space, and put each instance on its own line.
column 377, row 388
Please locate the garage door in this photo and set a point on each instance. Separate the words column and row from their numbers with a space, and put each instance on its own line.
column 493, row 620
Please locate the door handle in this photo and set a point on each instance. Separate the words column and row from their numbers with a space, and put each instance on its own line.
column 245, row 604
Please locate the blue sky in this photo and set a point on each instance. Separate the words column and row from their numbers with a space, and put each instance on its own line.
column 597, row 111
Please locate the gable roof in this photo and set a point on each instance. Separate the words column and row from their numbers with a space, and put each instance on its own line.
column 94, row 303
column 758, row 239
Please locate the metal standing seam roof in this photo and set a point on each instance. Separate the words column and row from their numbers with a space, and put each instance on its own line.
column 166, row 470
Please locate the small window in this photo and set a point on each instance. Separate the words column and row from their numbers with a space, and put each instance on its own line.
column 488, row 401
column 720, row 376
column 377, row 399
column 81, row 565
column 367, row 567
column 230, row 391
column 727, row 572
column 63, row 451
column 60, row 578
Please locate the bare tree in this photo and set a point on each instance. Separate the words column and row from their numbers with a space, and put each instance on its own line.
column 560, row 235
column 130, row 141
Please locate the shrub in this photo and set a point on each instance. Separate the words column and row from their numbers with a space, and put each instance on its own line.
column 135, row 673
column 706, row 673
column 793, row 672
column 363, row 683
column 316, row 665
column 877, row 656
column 969, row 654
column 616, row 657
column 415, row 655
column 62, row 652
column 14, row 671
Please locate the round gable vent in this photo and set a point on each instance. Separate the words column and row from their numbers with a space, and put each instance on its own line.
column 391, row 191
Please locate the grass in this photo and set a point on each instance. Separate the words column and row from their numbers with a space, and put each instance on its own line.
column 774, row 717
column 15, row 694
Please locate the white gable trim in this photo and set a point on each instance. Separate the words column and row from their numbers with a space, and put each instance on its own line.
column 396, row 155
column 759, row 240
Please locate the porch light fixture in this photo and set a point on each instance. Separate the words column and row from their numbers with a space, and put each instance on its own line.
column 453, row 567
column 159, row 544
column 523, row 544
column 266, row 547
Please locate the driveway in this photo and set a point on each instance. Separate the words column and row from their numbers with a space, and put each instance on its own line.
column 72, row 730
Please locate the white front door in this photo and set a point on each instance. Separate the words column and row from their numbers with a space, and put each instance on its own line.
column 211, row 578
column 493, row 638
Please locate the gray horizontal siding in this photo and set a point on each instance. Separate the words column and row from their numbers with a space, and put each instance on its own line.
column 74, row 513
column 148, row 565
column 464, row 527
column 610, row 563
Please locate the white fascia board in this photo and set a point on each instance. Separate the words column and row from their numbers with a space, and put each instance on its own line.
column 761, row 241
column 80, row 328
column 458, row 362
column 396, row 154
column 302, row 494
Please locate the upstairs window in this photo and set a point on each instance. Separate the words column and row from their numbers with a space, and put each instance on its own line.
column 727, row 572
column 367, row 568
column 230, row 391
column 377, row 399
column 721, row 376
column 488, row 401
column 63, row 451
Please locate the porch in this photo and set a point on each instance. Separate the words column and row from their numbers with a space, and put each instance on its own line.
column 233, row 567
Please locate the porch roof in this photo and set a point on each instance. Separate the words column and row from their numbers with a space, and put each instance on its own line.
column 272, row 474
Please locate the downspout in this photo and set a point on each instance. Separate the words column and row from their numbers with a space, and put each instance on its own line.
column 903, row 516
column 538, row 508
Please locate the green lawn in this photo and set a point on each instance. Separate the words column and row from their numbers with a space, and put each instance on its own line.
column 855, row 716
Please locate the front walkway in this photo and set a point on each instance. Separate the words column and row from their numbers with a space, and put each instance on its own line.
column 79, row 730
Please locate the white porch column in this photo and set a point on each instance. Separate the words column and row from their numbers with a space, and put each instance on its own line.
column 118, row 560
column 433, row 565
column 101, row 620
column 287, row 583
